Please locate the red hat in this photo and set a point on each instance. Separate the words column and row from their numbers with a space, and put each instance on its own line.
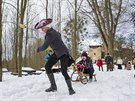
column 84, row 54
column 43, row 23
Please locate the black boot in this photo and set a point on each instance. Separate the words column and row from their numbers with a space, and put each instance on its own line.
column 71, row 91
column 53, row 87
column 90, row 77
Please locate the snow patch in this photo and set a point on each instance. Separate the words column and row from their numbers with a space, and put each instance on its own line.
column 118, row 85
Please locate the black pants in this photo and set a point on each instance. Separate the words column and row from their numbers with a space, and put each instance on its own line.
column 88, row 71
column 64, row 65
column 119, row 66
column 134, row 66
column 101, row 68
column 109, row 66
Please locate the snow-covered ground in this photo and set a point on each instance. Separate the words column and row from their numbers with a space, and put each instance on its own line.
column 118, row 85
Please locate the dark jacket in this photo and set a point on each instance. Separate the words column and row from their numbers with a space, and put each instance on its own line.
column 88, row 66
column 87, row 63
column 53, row 39
column 108, row 59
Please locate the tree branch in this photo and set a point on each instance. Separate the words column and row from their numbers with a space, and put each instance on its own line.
column 79, row 6
column 117, row 18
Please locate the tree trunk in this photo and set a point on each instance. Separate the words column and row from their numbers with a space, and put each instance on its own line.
column 23, row 7
column 111, row 45
column 0, row 40
column 26, row 41
column 46, row 8
column 74, row 45
column 59, row 17
column 16, row 39
column 106, row 20
column 75, row 36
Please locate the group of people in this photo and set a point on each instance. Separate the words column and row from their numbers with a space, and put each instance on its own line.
column 60, row 52
column 108, row 61
column 119, row 62
column 127, row 64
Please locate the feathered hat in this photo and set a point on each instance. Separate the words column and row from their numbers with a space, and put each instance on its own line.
column 42, row 23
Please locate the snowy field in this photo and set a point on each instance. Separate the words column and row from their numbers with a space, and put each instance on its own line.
column 118, row 85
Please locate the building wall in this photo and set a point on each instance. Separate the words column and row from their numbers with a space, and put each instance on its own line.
column 95, row 52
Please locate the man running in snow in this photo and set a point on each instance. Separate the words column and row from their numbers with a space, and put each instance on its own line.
column 53, row 39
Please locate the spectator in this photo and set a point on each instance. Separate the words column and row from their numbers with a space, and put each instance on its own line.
column 119, row 63
column 99, row 63
column 109, row 62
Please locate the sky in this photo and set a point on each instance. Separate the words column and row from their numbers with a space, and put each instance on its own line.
column 38, row 13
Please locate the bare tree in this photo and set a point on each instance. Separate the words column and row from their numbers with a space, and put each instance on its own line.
column 119, row 41
column 133, row 35
column 22, row 9
column 46, row 8
column 27, row 33
column 75, row 35
column 0, row 40
column 4, row 37
column 105, row 15
column 59, row 15
column 15, row 52
column 75, row 41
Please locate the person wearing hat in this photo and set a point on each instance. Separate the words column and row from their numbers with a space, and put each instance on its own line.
column 53, row 39
column 86, row 63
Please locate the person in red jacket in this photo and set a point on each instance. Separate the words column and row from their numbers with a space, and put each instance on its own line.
column 100, row 64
